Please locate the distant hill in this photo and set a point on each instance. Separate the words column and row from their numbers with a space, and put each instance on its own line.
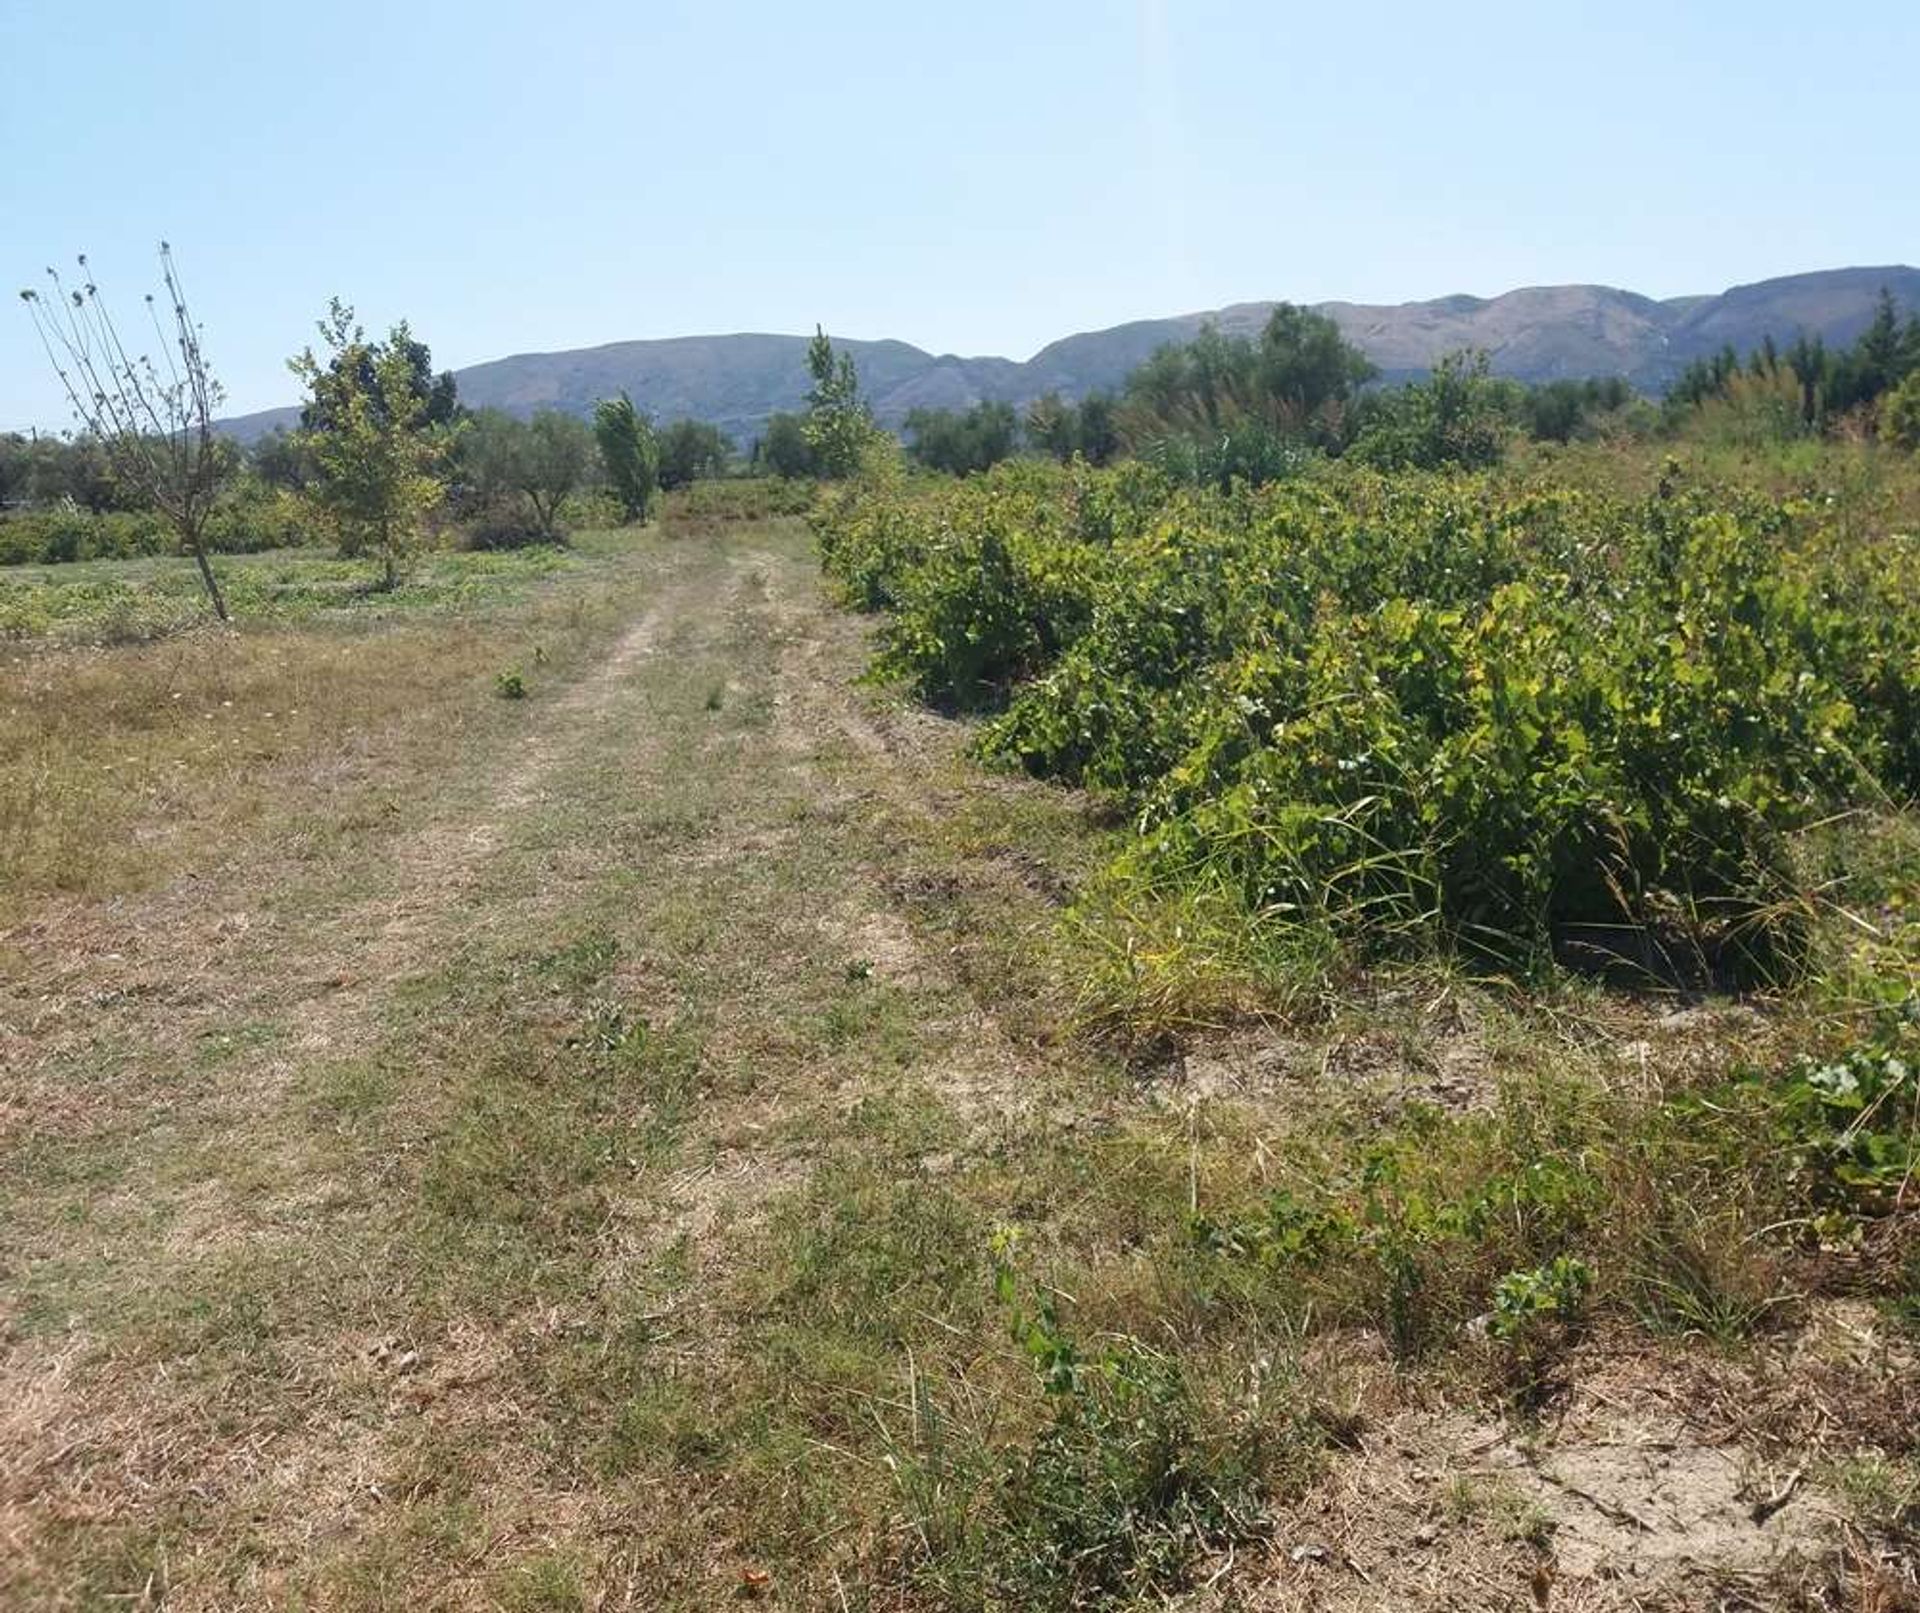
column 1543, row 333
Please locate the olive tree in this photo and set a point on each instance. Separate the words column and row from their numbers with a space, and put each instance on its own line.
column 542, row 461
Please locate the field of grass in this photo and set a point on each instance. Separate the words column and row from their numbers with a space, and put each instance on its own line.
column 692, row 1133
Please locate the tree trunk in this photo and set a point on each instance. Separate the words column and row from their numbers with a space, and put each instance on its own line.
column 207, row 577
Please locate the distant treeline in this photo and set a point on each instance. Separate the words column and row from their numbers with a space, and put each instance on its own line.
column 1871, row 382
column 500, row 480
column 1221, row 408
column 1213, row 411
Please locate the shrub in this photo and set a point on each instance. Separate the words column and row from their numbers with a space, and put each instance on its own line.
column 1427, row 707
column 255, row 519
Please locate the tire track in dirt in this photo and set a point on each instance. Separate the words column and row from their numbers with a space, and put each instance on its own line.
column 984, row 1078
column 67, row 1429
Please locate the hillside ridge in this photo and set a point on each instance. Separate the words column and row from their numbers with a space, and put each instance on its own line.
column 1531, row 333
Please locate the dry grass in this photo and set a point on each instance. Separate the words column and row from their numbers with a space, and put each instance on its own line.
column 547, row 1154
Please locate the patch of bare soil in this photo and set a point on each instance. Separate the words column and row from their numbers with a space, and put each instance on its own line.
column 1663, row 1480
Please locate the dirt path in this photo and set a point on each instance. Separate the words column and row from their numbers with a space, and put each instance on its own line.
column 692, row 815
column 557, row 1189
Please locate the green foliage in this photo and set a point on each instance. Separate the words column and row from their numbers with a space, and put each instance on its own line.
column 783, row 447
column 1420, row 709
column 1825, row 385
column 405, row 387
column 536, row 464
column 1457, row 418
column 1087, row 429
column 1296, row 384
column 1561, row 1204
column 1250, row 453
column 1900, row 414
column 250, row 518
column 510, row 684
column 690, row 451
column 374, row 459
column 839, row 426
column 1130, row 1480
column 962, row 443
column 1535, row 1308
column 1559, row 411
column 628, row 453
column 127, row 600
column 279, row 459
column 1847, row 1128
column 41, row 472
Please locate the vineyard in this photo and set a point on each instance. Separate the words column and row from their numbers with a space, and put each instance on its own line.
column 1427, row 711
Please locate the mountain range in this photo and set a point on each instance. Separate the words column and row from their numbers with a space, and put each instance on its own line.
column 1543, row 333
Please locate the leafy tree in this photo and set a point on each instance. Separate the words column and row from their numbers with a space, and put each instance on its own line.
column 629, row 453
column 280, row 460
column 839, row 425
column 152, row 426
column 958, row 443
column 1061, row 430
column 14, row 464
column 1098, row 432
column 539, row 461
column 56, row 470
column 1559, row 410
column 1307, row 371
column 374, row 462
column 1051, row 427
column 783, row 447
column 1296, row 383
column 691, row 450
column 1459, row 415
column 1900, row 413
column 435, row 398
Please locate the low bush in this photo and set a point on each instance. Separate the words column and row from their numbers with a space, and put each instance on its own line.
column 257, row 520
column 1526, row 722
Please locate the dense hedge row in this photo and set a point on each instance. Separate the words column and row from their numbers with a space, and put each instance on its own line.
column 58, row 536
column 1391, row 704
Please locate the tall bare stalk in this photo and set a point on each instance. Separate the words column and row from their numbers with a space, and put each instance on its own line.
column 153, row 421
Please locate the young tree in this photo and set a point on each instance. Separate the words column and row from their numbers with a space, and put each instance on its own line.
column 839, row 424
column 1308, row 372
column 557, row 448
column 152, row 421
column 373, row 462
column 279, row 459
column 629, row 453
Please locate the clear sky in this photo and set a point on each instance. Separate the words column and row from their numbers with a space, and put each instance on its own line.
column 974, row 177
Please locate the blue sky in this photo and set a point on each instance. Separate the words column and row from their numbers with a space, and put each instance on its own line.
column 977, row 177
